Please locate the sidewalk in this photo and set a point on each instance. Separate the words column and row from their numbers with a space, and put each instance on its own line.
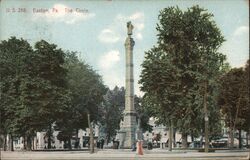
column 110, row 154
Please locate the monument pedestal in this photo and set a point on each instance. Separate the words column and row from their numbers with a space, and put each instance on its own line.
column 129, row 130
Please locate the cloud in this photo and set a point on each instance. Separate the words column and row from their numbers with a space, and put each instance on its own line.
column 59, row 13
column 117, row 29
column 109, row 64
column 136, row 15
column 237, row 47
column 139, row 26
column 109, row 59
column 108, row 36
column 113, row 79
column 138, row 36
column 242, row 30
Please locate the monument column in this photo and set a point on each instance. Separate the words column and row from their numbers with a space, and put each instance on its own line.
column 129, row 126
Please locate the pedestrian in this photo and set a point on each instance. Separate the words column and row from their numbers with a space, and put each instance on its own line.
column 102, row 143
column 98, row 144
column 134, row 147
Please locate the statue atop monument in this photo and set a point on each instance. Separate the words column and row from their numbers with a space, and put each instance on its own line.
column 130, row 27
column 129, row 42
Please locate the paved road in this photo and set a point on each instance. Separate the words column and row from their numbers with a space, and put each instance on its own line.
column 125, row 155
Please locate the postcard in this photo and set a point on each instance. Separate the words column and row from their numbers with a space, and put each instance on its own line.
column 136, row 77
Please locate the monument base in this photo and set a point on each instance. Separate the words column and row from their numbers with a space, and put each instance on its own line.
column 127, row 134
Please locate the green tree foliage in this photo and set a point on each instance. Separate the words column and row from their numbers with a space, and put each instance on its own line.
column 32, row 86
column 174, row 71
column 86, row 94
column 54, row 94
column 12, row 54
column 142, row 114
column 111, row 112
column 245, row 112
column 234, row 99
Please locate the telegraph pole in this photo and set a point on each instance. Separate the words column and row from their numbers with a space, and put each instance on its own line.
column 91, row 137
column 206, row 117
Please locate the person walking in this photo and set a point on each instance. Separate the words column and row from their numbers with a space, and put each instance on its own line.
column 102, row 143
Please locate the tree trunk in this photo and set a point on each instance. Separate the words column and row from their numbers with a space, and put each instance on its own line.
column 24, row 142
column 231, row 135
column 49, row 133
column 170, row 137
column 240, row 139
column 91, row 135
column 64, row 144
column 184, row 140
column 201, row 140
column 5, row 143
column 174, row 137
column 9, row 143
column 69, row 143
column 231, row 132
column 77, row 140
column 33, row 143
column 12, row 144
column 247, row 138
column 192, row 137
column 236, row 119
column 108, row 138
column 29, row 143
column 49, row 142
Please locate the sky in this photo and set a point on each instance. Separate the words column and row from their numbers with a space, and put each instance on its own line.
column 97, row 29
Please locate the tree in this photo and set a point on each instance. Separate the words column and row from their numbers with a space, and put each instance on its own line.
column 86, row 94
column 14, row 72
column 176, row 69
column 39, row 89
column 142, row 114
column 234, row 100
column 53, row 92
column 111, row 112
column 32, row 87
column 245, row 112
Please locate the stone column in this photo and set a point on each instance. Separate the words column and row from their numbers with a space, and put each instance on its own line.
column 129, row 126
